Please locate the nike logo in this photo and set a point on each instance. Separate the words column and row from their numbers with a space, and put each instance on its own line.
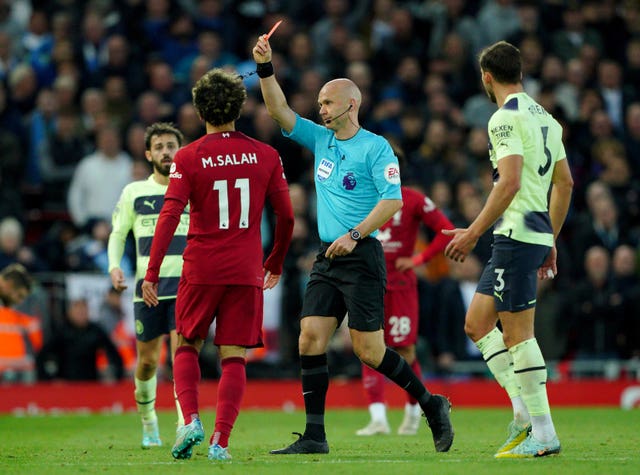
column 150, row 204
column 498, row 295
column 304, row 393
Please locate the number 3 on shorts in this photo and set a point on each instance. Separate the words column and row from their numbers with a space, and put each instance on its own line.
column 499, row 280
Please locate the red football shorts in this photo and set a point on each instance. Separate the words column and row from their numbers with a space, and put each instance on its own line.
column 401, row 317
column 237, row 310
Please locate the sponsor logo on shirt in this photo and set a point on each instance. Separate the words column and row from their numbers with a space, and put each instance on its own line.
column 324, row 169
column 392, row 174
column 173, row 173
column 349, row 181
column 502, row 131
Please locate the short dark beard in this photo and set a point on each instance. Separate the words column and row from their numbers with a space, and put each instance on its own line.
column 164, row 171
column 491, row 95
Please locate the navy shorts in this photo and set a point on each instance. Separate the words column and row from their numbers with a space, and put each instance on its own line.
column 354, row 283
column 510, row 276
column 152, row 322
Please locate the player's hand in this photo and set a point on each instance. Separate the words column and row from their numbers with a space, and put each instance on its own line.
column 404, row 263
column 117, row 279
column 270, row 280
column 150, row 293
column 262, row 50
column 549, row 269
column 341, row 247
column 461, row 245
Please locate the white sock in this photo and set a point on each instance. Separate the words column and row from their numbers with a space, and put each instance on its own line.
column 145, row 395
column 520, row 412
column 412, row 409
column 499, row 361
column 531, row 374
column 378, row 412
column 542, row 428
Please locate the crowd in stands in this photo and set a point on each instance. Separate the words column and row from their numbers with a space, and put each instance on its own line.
column 81, row 80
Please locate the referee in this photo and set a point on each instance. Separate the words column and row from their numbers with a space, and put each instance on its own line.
column 358, row 189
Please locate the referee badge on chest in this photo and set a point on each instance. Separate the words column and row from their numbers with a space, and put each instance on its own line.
column 324, row 169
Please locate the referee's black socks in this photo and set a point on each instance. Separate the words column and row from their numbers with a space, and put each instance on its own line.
column 315, row 383
column 394, row 367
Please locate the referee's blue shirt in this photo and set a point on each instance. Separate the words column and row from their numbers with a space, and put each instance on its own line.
column 351, row 176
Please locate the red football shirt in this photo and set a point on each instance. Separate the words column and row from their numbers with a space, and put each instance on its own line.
column 399, row 235
column 226, row 178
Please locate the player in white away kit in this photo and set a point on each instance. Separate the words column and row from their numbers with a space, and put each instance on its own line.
column 528, row 158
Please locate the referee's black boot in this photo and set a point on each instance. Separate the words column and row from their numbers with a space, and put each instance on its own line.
column 304, row 446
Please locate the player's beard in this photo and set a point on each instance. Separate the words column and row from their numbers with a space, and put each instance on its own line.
column 162, row 168
column 489, row 91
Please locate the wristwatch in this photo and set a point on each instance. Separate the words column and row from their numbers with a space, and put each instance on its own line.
column 355, row 234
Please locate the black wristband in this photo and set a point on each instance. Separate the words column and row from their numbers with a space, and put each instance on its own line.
column 264, row 70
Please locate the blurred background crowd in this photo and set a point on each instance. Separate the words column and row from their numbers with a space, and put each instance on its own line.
column 81, row 80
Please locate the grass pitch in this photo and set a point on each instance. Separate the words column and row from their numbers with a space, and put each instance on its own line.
column 594, row 441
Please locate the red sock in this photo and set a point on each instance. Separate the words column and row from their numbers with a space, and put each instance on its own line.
column 415, row 366
column 373, row 383
column 186, row 376
column 233, row 382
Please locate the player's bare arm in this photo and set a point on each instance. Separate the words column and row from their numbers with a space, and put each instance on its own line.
column 281, row 204
column 404, row 263
column 150, row 293
column 379, row 215
column 561, row 191
column 274, row 98
column 270, row 280
column 560, row 195
column 117, row 279
column 465, row 239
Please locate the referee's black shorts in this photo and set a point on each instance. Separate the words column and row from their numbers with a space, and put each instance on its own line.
column 354, row 283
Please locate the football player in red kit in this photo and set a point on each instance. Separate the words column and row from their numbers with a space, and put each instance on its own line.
column 398, row 237
column 226, row 177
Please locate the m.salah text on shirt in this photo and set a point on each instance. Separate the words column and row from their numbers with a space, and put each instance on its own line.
column 233, row 159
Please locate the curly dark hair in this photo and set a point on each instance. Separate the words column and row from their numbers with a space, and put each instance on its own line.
column 161, row 128
column 218, row 96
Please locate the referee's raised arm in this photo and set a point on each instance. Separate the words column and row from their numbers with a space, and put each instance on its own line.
column 272, row 94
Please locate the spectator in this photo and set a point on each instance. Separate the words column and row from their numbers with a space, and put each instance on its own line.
column 567, row 41
column 626, row 297
column 20, row 334
column 99, row 179
column 615, row 94
column 568, row 91
column 12, row 247
column 497, row 19
column 189, row 123
column 453, row 296
column 600, row 225
column 93, row 42
column 72, row 352
column 120, row 61
column 8, row 59
column 13, row 144
column 595, row 327
column 161, row 81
